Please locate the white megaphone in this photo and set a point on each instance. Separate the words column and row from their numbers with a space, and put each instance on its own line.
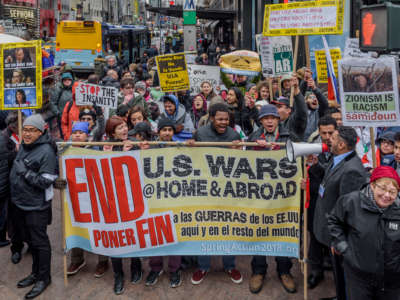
column 294, row 150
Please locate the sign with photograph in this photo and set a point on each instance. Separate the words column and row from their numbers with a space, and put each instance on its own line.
column 21, row 75
column 369, row 91
column 304, row 18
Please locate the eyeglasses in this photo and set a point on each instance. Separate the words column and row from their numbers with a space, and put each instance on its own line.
column 30, row 130
column 392, row 193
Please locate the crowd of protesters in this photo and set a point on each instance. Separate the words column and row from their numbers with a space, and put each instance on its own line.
column 354, row 210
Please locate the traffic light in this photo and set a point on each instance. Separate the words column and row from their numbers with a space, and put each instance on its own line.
column 171, row 3
column 380, row 24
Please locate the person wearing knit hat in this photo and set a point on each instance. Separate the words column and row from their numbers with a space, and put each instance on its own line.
column 32, row 176
column 80, row 132
column 365, row 229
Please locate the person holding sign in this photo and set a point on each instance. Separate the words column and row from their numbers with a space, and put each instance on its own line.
column 365, row 230
column 269, row 133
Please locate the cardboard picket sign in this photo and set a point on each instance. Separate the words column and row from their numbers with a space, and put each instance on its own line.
column 102, row 96
column 201, row 73
column 369, row 91
column 304, row 18
column 172, row 72
column 21, row 75
column 320, row 61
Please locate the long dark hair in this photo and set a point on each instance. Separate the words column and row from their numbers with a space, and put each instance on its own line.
column 239, row 96
column 22, row 92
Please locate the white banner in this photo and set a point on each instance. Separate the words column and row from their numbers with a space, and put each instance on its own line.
column 369, row 91
column 102, row 96
column 200, row 73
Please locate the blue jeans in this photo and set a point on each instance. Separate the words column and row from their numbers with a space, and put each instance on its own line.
column 205, row 262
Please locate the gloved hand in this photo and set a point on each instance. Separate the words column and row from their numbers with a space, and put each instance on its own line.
column 20, row 167
column 60, row 183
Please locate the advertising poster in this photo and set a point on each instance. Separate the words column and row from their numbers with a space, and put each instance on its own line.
column 102, row 96
column 200, row 73
column 304, row 18
column 173, row 73
column 369, row 91
column 21, row 75
column 320, row 60
column 160, row 202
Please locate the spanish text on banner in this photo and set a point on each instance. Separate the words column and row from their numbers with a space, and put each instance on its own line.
column 195, row 201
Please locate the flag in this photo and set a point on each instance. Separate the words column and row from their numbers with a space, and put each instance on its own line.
column 333, row 93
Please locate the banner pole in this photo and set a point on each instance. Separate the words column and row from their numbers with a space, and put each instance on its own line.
column 305, row 235
column 271, row 92
column 279, row 86
column 373, row 150
column 307, row 49
column 296, row 50
column 178, row 144
column 62, row 200
column 20, row 125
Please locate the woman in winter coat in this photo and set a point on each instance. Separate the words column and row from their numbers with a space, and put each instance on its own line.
column 207, row 90
column 199, row 109
column 365, row 228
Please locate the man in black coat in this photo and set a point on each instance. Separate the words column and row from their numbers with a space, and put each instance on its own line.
column 343, row 175
column 31, row 184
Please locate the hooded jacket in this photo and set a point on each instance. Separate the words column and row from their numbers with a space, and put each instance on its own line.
column 33, row 173
column 179, row 117
column 367, row 236
column 61, row 96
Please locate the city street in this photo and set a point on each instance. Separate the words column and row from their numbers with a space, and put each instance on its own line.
column 84, row 285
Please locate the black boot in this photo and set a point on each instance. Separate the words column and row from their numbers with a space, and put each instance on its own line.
column 38, row 288
column 118, row 283
column 27, row 281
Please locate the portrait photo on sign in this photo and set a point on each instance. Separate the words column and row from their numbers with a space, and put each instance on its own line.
column 15, row 78
column 367, row 77
column 23, row 97
column 19, row 57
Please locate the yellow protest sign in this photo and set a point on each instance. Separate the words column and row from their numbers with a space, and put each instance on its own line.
column 21, row 75
column 320, row 61
column 241, row 62
column 172, row 72
column 304, row 18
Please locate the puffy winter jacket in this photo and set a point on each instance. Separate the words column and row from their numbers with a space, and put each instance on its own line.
column 61, row 96
column 368, row 236
column 33, row 173
column 7, row 155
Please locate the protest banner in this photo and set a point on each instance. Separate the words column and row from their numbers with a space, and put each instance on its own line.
column 102, row 96
column 162, row 202
column 352, row 49
column 200, row 73
column 172, row 72
column 276, row 55
column 304, row 18
column 21, row 21
column 320, row 61
column 21, row 75
column 241, row 62
column 369, row 91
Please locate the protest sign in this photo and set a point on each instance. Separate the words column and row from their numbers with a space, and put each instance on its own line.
column 352, row 49
column 20, row 21
column 241, row 62
column 276, row 55
column 320, row 61
column 304, row 18
column 200, row 73
column 172, row 72
column 21, row 75
column 102, row 96
column 369, row 91
column 163, row 202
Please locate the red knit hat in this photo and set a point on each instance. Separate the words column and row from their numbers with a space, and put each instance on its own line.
column 385, row 171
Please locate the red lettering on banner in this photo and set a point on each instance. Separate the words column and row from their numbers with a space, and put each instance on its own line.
column 134, row 180
column 76, row 188
column 113, row 236
column 108, row 207
column 104, row 239
column 97, row 237
column 121, row 238
column 130, row 237
column 93, row 178
column 164, row 229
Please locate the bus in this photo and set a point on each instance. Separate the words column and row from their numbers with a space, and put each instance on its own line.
column 79, row 43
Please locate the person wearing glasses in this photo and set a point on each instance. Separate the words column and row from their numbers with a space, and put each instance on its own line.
column 365, row 229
